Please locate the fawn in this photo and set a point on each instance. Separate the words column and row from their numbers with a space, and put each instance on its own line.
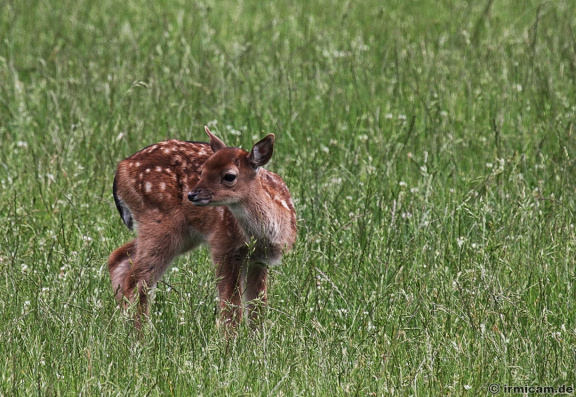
column 182, row 194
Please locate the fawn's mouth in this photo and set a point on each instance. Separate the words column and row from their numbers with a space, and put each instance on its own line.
column 198, row 199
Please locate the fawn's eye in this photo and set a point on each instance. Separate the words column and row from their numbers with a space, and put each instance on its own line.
column 229, row 177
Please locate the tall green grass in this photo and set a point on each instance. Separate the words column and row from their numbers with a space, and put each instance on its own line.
column 429, row 148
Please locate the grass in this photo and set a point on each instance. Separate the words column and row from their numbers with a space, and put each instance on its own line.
column 430, row 150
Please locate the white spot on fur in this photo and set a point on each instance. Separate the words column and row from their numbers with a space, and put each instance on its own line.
column 163, row 186
column 148, row 187
column 158, row 168
column 168, row 170
column 147, row 170
column 284, row 204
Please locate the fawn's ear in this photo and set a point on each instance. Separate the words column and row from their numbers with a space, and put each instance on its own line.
column 215, row 143
column 262, row 152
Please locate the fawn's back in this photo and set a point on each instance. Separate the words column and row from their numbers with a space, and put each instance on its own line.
column 156, row 180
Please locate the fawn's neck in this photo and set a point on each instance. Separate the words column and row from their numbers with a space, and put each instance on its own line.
column 258, row 217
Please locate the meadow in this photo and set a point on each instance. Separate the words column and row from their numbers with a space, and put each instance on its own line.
column 430, row 148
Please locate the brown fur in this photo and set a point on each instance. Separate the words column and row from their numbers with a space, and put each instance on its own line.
column 176, row 193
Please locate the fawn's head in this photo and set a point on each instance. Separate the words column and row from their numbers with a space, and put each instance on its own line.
column 227, row 176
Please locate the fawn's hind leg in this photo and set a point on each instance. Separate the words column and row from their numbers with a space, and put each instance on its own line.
column 120, row 266
column 136, row 267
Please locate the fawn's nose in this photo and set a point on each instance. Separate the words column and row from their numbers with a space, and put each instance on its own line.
column 200, row 197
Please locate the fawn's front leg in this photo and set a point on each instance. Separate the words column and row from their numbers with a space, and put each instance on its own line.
column 228, row 272
column 255, row 278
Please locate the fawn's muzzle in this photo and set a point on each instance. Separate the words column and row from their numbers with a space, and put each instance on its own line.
column 198, row 198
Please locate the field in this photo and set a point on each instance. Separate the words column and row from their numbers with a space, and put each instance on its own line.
column 430, row 148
